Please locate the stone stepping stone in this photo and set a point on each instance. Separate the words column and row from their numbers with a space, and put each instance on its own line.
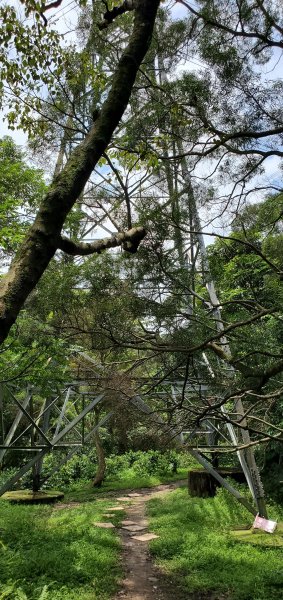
column 145, row 537
column 123, row 499
column 128, row 522
column 134, row 495
column 109, row 515
column 116, row 508
column 133, row 527
column 104, row 525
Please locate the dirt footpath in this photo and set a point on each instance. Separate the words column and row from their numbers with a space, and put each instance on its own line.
column 142, row 580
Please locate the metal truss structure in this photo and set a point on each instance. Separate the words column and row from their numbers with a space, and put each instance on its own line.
column 58, row 424
column 62, row 421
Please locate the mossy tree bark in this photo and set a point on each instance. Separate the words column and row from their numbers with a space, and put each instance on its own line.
column 101, row 464
column 44, row 237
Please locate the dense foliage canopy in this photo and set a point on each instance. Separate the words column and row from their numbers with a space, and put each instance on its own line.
column 156, row 129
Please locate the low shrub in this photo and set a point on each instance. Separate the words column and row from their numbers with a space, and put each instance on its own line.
column 81, row 468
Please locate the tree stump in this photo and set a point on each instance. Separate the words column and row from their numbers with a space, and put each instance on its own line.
column 201, row 484
column 204, row 485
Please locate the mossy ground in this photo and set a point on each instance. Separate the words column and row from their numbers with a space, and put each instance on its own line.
column 260, row 538
column 29, row 497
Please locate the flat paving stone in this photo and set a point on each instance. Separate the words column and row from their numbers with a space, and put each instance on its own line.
column 133, row 528
column 123, row 499
column 145, row 537
column 116, row 508
column 105, row 525
column 128, row 522
column 133, row 495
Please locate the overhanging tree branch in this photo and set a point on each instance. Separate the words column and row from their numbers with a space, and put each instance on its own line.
column 44, row 236
column 130, row 241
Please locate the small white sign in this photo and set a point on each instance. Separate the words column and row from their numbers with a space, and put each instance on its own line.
column 264, row 524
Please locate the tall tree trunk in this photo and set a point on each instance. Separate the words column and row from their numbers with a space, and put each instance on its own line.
column 43, row 238
column 101, row 464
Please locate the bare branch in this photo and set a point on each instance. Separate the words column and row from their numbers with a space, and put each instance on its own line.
column 111, row 15
column 124, row 188
column 130, row 240
column 269, row 42
column 54, row 4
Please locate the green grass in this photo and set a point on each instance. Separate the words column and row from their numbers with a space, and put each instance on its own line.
column 128, row 480
column 197, row 550
column 49, row 554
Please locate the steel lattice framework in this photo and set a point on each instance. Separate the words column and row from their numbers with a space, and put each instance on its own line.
column 50, row 429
